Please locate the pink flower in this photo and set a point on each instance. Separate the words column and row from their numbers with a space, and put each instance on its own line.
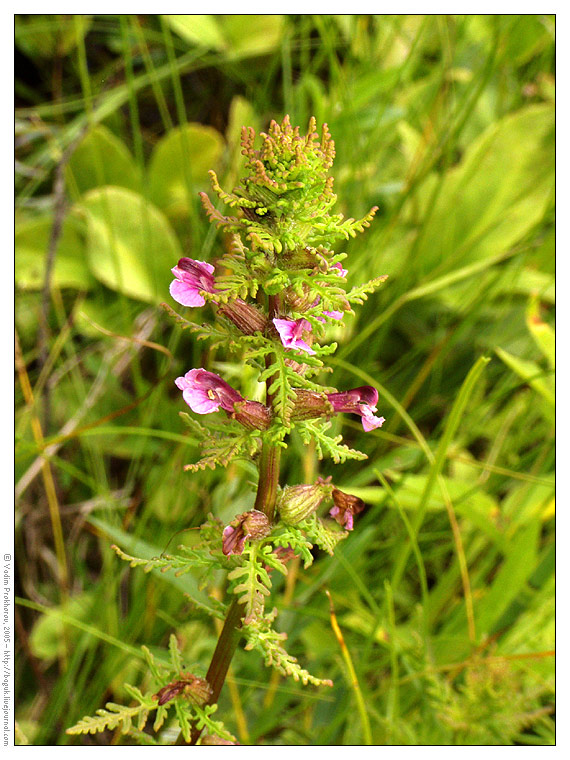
column 205, row 392
column 360, row 401
column 332, row 315
column 290, row 332
column 341, row 272
column 192, row 277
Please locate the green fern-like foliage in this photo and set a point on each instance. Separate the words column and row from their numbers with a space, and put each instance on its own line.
column 261, row 636
column 250, row 581
column 132, row 720
column 117, row 716
column 222, row 443
column 325, row 445
column 324, row 533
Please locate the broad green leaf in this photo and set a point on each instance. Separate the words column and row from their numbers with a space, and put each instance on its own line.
column 252, row 34
column 535, row 376
column 101, row 159
column 498, row 192
column 46, row 638
column 179, row 166
column 50, row 35
column 542, row 333
column 199, row 29
column 137, row 547
column 130, row 244
column 31, row 245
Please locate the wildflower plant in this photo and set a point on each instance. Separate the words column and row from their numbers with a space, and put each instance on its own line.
column 274, row 292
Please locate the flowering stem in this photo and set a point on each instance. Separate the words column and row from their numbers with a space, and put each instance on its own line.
column 230, row 634
column 223, row 653
column 268, row 479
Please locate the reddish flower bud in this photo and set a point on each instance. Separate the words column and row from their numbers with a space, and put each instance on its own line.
column 252, row 415
column 251, row 525
column 309, row 405
column 212, row 741
column 245, row 317
column 193, row 688
column 345, row 507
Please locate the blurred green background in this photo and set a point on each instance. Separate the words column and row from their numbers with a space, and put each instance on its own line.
column 445, row 589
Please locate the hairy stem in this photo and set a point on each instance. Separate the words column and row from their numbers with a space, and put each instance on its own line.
column 223, row 653
column 268, row 480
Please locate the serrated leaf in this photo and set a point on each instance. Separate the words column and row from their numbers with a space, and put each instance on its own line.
column 261, row 636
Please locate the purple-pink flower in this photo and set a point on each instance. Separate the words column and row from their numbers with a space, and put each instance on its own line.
column 341, row 272
column 332, row 314
column 360, row 401
column 206, row 392
column 291, row 332
column 345, row 507
column 191, row 278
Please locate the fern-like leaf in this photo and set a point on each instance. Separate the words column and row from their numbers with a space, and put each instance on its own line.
column 290, row 536
column 213, row 727
column 325, row 445
column 254, row 582
column 322, row 532
column 115, row 716
column 261, row 636
column 359, row 293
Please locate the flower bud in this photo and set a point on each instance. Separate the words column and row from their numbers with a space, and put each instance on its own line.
column 298, row 502
column 249, row 525
column 210, row 740
column 309, row 405
column 345, row 507
column 244, row 316
column 193, row 688
column 252, row 414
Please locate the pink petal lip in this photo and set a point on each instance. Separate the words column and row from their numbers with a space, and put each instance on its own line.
column 341, row 271
column 290, row 332
column 369, row 421
column 186, row 294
